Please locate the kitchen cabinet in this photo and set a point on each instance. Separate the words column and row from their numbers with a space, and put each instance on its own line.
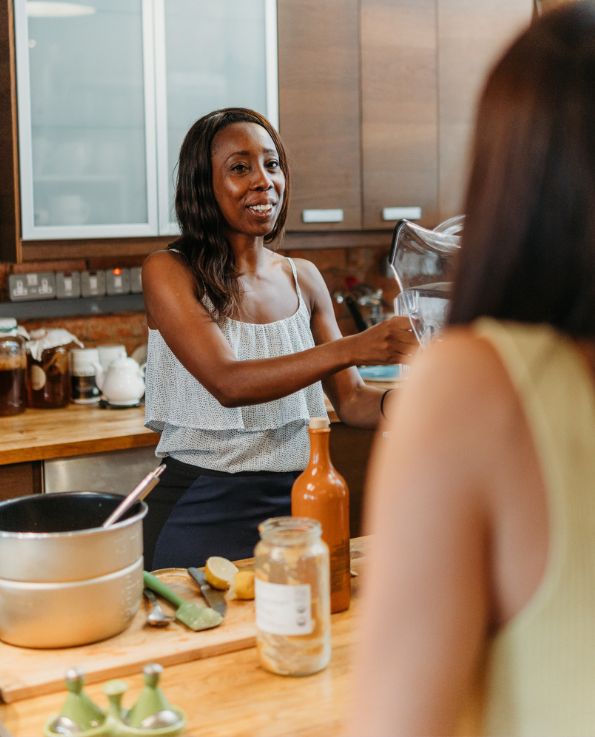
column 319, row 111
column 20, row 479
column 377, row 103
column 106, row 92
column 375, row 99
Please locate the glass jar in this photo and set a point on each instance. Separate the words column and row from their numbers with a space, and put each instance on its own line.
column 291, row 564
column 48, row 379
column 13, row 365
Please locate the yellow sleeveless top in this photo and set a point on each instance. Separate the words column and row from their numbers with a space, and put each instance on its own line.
column 538, row 676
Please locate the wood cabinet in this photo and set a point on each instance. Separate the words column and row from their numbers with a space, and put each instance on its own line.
column 319, row 108
column 399, row 111
column 412, row 69
column 376, row 106
column 20, row 479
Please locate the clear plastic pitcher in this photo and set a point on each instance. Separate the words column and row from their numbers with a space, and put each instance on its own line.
column 423, row 263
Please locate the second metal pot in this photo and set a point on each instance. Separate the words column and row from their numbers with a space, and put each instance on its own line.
column 58, row 537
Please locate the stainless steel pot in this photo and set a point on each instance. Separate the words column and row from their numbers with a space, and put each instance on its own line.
column 72, row 613
column 59, row 538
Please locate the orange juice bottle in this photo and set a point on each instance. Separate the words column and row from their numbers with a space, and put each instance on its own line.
column 321, row 493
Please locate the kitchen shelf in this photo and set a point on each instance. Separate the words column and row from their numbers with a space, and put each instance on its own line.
column 73, row 307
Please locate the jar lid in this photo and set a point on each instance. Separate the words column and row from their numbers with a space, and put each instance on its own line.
column 7, row 324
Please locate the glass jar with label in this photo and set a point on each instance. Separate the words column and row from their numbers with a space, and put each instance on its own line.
column 292, row 585
column 13, row 365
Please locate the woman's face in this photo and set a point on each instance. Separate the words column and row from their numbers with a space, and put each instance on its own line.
column 248, row 182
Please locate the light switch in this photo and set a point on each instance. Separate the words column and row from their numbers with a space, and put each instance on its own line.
column 136, row 284
column 117, row 280
column 68, row 284
column 92, row 283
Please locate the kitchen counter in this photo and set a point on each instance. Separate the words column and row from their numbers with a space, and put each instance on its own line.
column 231, row 694
column 40, row 434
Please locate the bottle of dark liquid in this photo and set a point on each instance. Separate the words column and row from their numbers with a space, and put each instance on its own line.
column 321, row 493
column 13, row 364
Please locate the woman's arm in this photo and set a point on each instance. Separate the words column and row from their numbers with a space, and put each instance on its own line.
column 200, row 346
column 355, row 403
column 427, row 591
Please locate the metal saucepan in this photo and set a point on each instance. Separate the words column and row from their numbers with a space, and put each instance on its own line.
column 48, row 615
column 59, row 538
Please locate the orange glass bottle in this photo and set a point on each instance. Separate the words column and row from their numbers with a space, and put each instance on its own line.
column 321, row 493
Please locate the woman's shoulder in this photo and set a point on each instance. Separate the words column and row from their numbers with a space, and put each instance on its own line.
column 462, row 376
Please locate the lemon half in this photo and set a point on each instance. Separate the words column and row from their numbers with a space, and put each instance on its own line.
column 220, row 572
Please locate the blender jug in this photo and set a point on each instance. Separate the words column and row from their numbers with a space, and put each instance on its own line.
column 422, row 261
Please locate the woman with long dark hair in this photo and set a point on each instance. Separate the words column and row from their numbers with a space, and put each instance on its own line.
column 239, row 341
column 480, row 599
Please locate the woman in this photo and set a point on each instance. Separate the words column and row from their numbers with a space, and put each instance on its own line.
column 239, row 339
column 479, row 597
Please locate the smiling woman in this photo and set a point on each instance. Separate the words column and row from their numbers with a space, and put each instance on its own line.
column 240, row 339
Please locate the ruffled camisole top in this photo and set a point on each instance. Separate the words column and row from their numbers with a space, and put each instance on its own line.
column 196, row 429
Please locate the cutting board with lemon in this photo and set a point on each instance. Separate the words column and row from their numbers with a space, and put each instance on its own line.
column 30, row 672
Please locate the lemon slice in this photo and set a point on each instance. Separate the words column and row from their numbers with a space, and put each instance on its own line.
column 243, row 585
column 220, row 572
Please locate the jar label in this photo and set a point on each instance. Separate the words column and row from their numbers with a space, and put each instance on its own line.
column 283, row 609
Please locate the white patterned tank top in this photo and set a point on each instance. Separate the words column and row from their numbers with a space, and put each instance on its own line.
column 196, row 429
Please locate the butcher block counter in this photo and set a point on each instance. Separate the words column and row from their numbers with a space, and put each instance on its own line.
column 41, row 434
column 230, row 694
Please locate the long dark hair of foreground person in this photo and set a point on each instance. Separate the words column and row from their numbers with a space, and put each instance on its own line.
column 528, row 250
column 202, row 225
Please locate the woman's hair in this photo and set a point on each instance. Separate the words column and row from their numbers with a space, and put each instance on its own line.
column 202, row 225
column 528, row 251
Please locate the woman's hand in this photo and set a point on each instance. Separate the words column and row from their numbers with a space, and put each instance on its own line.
column 389, row 342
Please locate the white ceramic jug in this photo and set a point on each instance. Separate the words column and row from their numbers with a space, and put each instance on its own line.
column 123, row 383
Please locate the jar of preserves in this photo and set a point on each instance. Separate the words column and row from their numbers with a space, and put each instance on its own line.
column 292, row 595
column 13, row 365
column 48, row 372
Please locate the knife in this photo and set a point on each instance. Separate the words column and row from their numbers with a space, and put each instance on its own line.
column 215, row 599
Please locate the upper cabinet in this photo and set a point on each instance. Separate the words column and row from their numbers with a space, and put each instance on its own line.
column 374, row 99
column 377, row 102
column 106, row 91
column 319, row 111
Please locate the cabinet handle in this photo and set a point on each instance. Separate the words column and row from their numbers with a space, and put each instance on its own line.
column 396, row 213
column 322, row 216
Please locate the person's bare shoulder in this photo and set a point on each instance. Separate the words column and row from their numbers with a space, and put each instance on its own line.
column 462, row 392
column 311, row 281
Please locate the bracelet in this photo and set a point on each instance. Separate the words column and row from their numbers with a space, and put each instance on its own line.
column 382, row 398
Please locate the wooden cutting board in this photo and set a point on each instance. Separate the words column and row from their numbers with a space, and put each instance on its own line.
column 29, row 672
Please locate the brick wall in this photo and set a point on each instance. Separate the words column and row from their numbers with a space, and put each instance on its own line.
column 337, row 265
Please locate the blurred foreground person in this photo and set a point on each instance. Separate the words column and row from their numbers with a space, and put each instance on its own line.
column 479, row 600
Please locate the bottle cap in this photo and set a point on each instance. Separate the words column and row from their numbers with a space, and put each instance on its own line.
column 319, row 423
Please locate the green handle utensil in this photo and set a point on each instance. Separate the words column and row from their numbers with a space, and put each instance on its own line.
column 192, row 615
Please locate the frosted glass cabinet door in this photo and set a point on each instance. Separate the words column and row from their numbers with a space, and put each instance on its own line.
column 209, row 54
column 86, row 118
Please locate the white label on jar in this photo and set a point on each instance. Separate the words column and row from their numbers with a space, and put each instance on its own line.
column 283, row 609
column 37, row 377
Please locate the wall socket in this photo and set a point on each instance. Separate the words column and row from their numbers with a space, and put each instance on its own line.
column 68, row 284
column 36, row 285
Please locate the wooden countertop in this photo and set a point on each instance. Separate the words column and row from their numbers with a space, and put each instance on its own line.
column 40, row 434
column 231, row 694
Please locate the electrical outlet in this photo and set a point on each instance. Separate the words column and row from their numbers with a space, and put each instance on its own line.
column 117, row 280
column 36, row 285
column 136, row 284
column 92, row 283
column 68, row 284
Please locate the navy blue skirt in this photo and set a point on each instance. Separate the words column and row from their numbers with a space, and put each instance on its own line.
column 195, row 512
